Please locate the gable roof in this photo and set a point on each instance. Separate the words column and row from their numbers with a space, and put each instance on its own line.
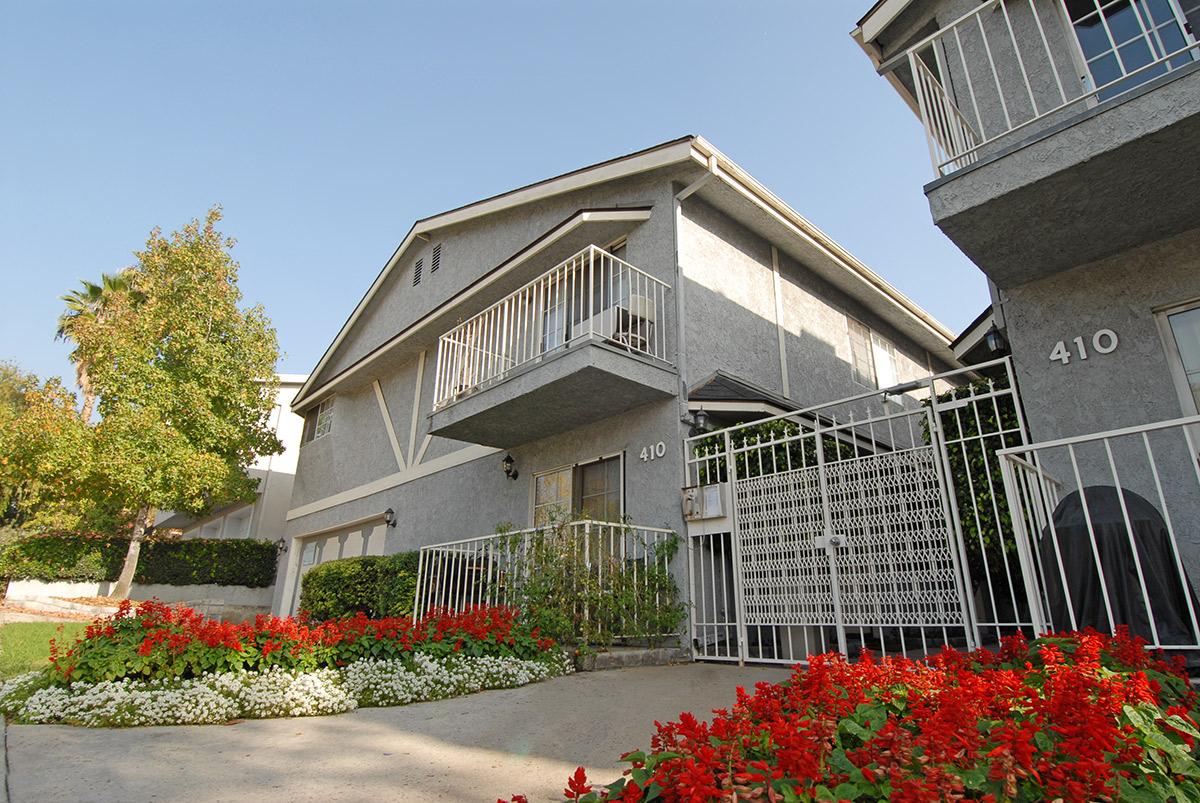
column 688, row 149
column 722, row 386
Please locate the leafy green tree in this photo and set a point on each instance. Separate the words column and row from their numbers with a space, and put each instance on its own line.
column 91, row 303
column 185, row 381
column 44, row 452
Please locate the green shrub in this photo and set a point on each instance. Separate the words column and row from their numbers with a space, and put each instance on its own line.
column 71, row 557
column 92, row 558
column 377, row 585
column 223, row 562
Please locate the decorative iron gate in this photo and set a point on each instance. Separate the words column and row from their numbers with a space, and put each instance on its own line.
column 875, row 522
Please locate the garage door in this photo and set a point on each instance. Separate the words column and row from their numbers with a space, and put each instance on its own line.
column 366, row 539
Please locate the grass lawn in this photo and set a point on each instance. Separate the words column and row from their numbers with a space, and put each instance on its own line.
column 26, row 645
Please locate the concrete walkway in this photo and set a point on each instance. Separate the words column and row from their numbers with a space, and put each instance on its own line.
column 473, row 748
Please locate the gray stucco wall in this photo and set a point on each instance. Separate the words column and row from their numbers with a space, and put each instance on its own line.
column 1130, row 386
column 732, row 323
column 469, row 250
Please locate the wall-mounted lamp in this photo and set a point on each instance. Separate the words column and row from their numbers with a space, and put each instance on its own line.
column 389, row 517
column 510, row 467
column 994, row 341
column 699, row 423
column 280, row 546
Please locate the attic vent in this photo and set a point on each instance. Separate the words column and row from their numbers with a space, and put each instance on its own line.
column 436, row 262
column 417, row 271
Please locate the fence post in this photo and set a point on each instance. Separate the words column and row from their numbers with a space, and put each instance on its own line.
column 420, row 594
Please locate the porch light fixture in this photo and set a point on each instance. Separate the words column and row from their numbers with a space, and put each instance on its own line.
column 389, row 517
column 699, row 423
column 280, row 546
column 509, row 465
column 994, row 341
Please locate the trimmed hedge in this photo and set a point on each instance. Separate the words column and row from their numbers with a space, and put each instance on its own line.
column 90, row 558
column 377, row 585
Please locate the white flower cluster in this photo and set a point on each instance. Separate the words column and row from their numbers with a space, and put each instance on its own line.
column 214, row 698
column 400, row 683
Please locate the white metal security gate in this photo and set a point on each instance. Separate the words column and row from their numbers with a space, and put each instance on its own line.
column 876, row 522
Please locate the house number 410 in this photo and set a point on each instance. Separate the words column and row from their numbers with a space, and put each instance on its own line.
column 653, row 452
column 1103, row 342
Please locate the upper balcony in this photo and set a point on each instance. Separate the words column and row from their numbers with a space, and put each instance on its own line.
column 583, row 341
column 1059, row 129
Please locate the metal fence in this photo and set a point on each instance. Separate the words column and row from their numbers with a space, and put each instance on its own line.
column 875, row 522
column 1106, row 524
column 612, row 572
column 1010, row 63
column 593, row 295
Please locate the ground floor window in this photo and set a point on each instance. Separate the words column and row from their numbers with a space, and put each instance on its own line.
column 1182, row 339
column 592, row 490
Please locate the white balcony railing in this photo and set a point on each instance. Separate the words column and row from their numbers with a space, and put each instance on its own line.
column 1011, row 63
column 1105, row 529
column 591, row 296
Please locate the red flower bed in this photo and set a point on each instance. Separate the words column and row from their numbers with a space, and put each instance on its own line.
column 1076, row 717
column 153, row 640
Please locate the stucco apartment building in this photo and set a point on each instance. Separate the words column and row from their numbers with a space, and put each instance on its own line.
column 1065, row 141
column 550, row 347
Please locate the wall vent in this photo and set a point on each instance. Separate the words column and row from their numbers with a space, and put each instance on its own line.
column 436, row 261
column 417, row 271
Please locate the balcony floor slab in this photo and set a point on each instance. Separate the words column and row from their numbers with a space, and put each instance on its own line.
column 562, row 391
column 1114, row 177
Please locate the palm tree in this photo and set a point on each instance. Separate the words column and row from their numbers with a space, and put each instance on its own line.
column 88, row 305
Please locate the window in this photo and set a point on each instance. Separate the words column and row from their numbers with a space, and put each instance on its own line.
column 872, row 357
column 318, row 421
column 1120, row 37
column 551, row 495
column 554, row 316
column 592, row 490
column 1182, row 339
column 599, row 490
column 884, row 354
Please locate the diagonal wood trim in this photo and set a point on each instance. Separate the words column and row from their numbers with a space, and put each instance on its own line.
column 416, row 408
column 415, row 472
column 387, row 423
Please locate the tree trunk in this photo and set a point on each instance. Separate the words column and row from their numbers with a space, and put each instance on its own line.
column 145, row 516
column 84, row 379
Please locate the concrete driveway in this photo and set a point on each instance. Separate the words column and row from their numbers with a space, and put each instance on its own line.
column 473, row 748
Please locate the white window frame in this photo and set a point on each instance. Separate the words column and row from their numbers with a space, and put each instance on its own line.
column 1080, row 58
column 855, row 371
column 877, row 346
column 322, row 425
column 1179, row 376
column 573, row 468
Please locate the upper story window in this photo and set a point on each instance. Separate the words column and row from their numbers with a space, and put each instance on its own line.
column 318, row 421
column 1121, row 38
column 1182, row 339
column 872, row 357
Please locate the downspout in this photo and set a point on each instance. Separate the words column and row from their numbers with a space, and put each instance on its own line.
column 680, row 305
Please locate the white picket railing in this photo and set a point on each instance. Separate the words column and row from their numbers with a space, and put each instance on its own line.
column 1105, row 525
column 492, row 569
column 1011, row 63
column 593, row 295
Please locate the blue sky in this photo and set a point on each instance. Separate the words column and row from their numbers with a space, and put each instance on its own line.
column 325, row 129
